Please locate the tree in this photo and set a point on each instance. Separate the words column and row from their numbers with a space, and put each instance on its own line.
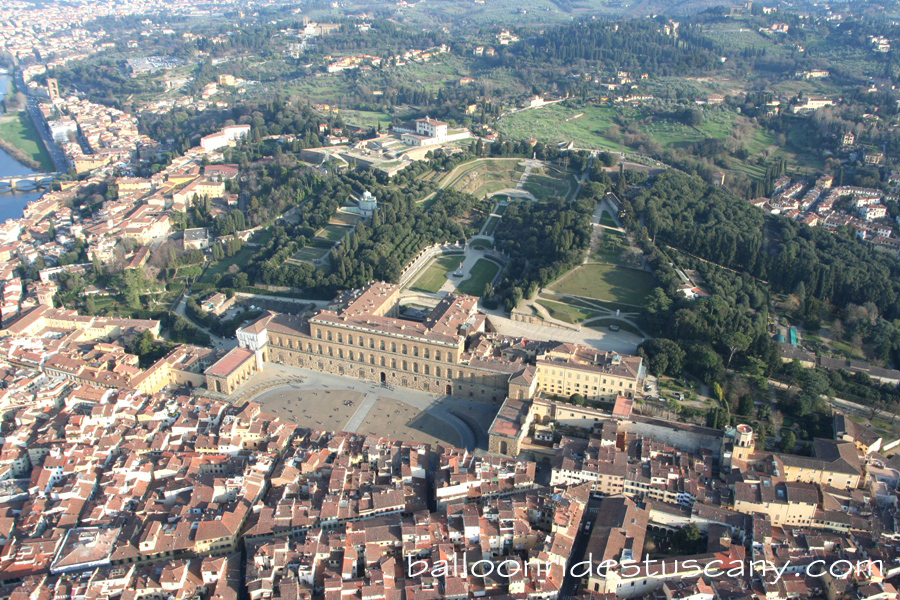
column 577, row 399
column 687, row 540
column 788, row 441
column 745, row 406
column 664, row 356
column 736, row 342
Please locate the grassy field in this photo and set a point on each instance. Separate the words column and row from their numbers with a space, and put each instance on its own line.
column 484, row 176
column 557, row 123
column 606, row 219
column 19, row 131
column 610, row 248
column 367, row 118
column 499, row 209
column 567, row 312
column 544, row 188
column 435, row 275
column 310, row 253
column 343, row 219
column 606, row 282
column 483, row 272
column 333, row 232
column 240, row 259
column 491, row 225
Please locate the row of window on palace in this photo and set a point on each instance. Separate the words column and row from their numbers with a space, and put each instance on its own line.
column 361, row 342
column 392, row 363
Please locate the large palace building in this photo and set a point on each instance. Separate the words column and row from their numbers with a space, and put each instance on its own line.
column 450, row 351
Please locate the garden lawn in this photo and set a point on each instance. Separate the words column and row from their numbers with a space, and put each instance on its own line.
column 333, row 232
column 482, row 273
column 435, row 274
column 240, row 259
column 567, row 312
column 606, row 282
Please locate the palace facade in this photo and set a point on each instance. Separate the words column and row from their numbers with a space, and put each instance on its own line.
column 450, row 351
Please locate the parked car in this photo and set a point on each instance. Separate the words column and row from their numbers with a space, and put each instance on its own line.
column 613, row 327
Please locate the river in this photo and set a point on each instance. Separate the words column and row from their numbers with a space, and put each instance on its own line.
column 12, row 204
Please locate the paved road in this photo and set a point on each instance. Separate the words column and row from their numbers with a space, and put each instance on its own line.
column 570, row 583
column 56, row 154
column 219, row 343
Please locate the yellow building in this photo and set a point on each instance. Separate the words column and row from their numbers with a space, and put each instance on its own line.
column 568, row 369
column 786, row 503
column 448, row 352
column 230, row 371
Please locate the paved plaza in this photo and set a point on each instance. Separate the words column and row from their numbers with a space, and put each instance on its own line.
column 334, row 403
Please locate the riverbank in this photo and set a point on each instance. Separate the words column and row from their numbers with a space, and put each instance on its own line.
column 20, row 139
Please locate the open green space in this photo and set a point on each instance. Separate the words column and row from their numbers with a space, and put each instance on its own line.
column 544, row 188
column 310, row 253
column 435, row 275
column 500, row 209
column 491, row 225
column 220, row 268
column 484, row 176
column 367, row 118
column 567, row 312
column 606, row 282
column 557, row 123
column 18, row 131
column 846, row 349
column 343, row 219
column 333, row 232
column 606, row 219
column 482, row 273
column 612, row 248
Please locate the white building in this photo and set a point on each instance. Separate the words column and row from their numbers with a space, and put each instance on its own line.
column 227, row 136
column 431, row 127
column 368, row 204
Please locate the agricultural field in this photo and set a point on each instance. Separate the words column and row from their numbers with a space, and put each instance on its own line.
column 606, row 282
column 734, row 35
column 671, row 133
column 557, row 123
column 367, row 118
column 435, row 274
column 482, row 273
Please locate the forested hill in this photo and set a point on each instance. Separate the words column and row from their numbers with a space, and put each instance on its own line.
column 634, row 46
column 684, row 212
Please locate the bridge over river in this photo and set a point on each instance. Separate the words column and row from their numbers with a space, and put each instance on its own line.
column 23, row 183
